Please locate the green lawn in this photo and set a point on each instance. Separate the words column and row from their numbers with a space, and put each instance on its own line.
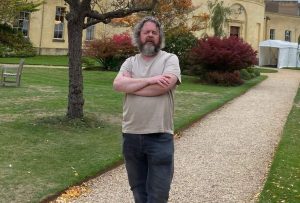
column 38, row 60
column 47, row 61
column 283, row 182
column 43, row 153
column 267, row 70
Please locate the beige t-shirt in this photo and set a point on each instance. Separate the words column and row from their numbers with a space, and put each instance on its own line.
column 143, row 115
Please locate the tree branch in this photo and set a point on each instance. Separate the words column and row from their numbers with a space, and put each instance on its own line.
column 70, row 2
column 106, row 17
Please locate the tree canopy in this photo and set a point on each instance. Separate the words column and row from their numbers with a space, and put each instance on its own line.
column 9, row 9
column 172, row 14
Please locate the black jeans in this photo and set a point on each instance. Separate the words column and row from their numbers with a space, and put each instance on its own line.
column 149, row 161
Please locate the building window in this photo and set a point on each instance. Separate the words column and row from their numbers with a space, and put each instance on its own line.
column 234, row 31
column 59, row 22
column 90, row 31
column 22, row 23
column 287, row 35
column 272, row 33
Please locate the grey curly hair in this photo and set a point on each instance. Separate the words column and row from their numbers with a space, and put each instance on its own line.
column 137, row 31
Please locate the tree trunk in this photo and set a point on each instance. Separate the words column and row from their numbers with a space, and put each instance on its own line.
column 75, row 98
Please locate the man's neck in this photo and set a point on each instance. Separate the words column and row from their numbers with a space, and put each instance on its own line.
column 148, row 58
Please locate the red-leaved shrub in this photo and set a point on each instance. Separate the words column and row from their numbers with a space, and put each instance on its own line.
column 123, row 43
column 110, row 51
column 225, row 55
column 103, row 50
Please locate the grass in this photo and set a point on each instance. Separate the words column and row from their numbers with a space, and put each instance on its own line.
column 38, row 60
column 283, row 182
column 267, row 70
column 43, row 153
column 48, row 61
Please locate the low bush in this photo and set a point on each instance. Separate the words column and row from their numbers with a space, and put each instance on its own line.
column 90, row 64
column 253, row 75
column 245, row 75
column 256, row 72
column 249, row 73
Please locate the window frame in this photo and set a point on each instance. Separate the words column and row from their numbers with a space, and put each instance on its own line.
column 234, row 28
column 24, row 16
column 272, row 34
column 59, row 23
column 287, row 35
column 90, row 31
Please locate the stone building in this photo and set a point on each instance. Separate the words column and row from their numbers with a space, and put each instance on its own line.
column 282, row 20
column 47, row 28
column 246, row 20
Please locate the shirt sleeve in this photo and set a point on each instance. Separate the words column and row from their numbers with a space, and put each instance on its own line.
column 172, row 67
column 126, row 66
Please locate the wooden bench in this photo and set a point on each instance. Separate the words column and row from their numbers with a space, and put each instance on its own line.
column 11, row 75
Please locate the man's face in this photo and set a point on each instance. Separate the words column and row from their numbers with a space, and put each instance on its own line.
column 149, row 39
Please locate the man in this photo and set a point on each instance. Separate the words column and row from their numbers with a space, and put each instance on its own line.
column 149, row 80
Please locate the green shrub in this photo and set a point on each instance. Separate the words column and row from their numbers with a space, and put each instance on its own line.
column 197, row 70
column 250, row 70
column 179, row 41
column 245, row 75
column 114, row 63
column 249, row 73
column 14, row 44
column 256, row 72
column 253, row 75
column 90, row 64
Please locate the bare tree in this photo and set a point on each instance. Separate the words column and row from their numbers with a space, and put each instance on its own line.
column 92, row 9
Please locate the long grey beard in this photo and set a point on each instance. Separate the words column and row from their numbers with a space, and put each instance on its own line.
column 149, row 49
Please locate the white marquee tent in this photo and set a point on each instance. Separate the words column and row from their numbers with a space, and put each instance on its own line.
column 279, row 53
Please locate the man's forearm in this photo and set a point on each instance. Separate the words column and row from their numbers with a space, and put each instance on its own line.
column 151, row 91
column 129, row 85
column 125, row 83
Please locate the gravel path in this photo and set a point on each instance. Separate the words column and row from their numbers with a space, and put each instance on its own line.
column 225, row 156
